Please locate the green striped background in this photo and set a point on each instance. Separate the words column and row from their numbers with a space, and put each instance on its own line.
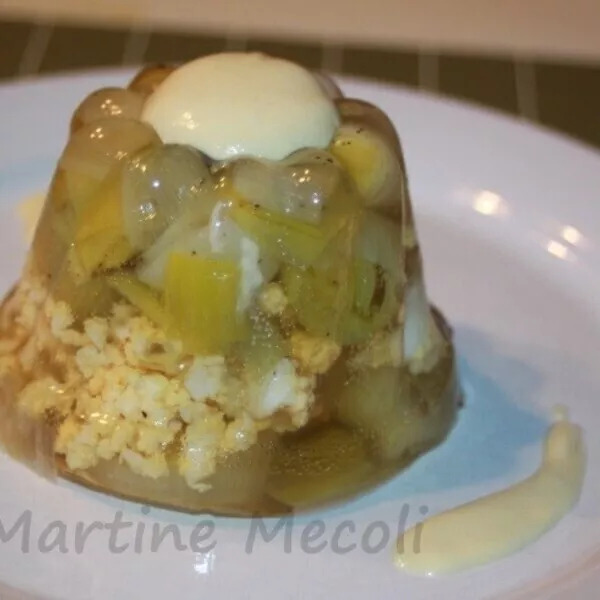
column 562, row 95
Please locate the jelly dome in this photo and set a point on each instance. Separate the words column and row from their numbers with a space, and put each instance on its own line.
column 241, row 336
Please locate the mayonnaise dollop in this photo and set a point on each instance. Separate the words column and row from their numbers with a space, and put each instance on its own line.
column 237, row 104
column 497, row 525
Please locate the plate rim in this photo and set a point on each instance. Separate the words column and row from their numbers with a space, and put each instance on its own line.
column 569, row 143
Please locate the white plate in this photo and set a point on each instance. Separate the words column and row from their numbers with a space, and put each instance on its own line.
column 510, row 226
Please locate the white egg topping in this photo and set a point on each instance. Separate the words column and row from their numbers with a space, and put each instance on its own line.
column 237, row 104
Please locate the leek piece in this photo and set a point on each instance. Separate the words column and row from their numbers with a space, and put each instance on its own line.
column 371, row 161
column 93, row 297
column 365, row 281
column 54, row 231
column 141, row 296
column 280, row 236
column 320, row 298
column 379, row 241
column 259, row 356
column 347, row 304
column 294, row 241
column 358, row 327
column 200, row 298
column 100, row 240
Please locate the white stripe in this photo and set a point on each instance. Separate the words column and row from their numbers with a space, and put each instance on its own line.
column 332, row 59
column 235, row 42
column 429, row 71
column 526, row 87
column 36, row 47
column 135, row 47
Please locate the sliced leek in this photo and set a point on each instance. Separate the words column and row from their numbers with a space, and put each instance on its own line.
column 141, row 296
column 100, row 241
column 200, row 298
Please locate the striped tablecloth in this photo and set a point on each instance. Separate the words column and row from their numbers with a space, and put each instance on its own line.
column 564, row 95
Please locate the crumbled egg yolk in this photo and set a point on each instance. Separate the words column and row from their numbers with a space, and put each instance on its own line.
column 284, row 390
column 273, row 300
column 314, row 354
column 383, row 350
column 113, row 406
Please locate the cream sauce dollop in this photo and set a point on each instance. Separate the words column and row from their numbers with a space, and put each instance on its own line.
column 242, row 104
column 502, row 523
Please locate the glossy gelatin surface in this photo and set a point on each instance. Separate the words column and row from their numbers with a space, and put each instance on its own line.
column 238, row 337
